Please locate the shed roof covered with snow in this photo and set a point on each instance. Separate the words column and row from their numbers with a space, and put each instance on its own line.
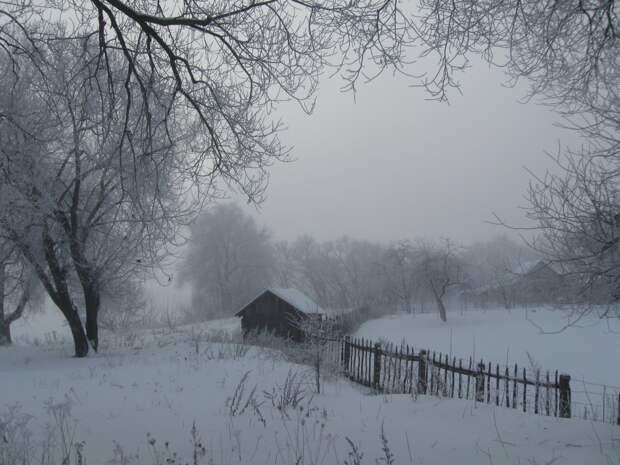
column 292, row 296
column 297, row 299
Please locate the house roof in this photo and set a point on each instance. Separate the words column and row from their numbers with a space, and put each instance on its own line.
column 535, row 266
column 531, row 270
column 294, row 297
column 522, row 268
column 556, row 268
column 297, row 299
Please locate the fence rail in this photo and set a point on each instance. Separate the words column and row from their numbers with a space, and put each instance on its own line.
column 401, row 369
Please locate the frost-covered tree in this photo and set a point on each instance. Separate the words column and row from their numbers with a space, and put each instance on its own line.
column 91, row 193
column 226, row 63
column 229, row 261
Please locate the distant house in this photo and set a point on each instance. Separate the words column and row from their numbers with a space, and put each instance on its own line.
column 278, row 310
column 543, row 282
column 533, row 283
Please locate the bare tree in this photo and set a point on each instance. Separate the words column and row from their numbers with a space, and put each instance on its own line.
column 226, row 63
column 84, row 204
column 567, row 50
column 219, row 66
column 577, row 210
column 441, row 268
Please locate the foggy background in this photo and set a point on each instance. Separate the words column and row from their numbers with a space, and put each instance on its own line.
column 387, row 164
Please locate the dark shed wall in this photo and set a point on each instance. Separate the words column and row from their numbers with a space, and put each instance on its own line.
column 270, row 313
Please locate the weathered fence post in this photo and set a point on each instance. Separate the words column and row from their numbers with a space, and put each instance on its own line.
column 422, row 372
column 565, row 397
column 346, row 362
column 376, row 373
column 480, row 383
column 537, row 392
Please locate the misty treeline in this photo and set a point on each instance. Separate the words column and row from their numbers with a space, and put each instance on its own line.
column 231, row 259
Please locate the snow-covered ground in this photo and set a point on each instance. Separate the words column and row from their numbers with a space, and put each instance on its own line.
column 546, row 339
column 44, row 326
column 587, row 350
column 145, row 391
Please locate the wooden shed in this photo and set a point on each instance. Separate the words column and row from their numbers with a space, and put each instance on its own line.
column 278, row 310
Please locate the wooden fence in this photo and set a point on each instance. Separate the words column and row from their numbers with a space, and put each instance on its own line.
column 400, row 369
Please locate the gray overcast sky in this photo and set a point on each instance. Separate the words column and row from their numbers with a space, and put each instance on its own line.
column 393, row 165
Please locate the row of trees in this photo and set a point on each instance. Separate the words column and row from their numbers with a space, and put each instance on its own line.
column 230, row 260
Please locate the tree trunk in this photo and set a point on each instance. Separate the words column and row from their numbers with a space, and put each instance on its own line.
column 507, row 305
column 442, row 309
column 5, row 333
column 440, row 306
column 77, row 331
column 317, row 372
column 92, row 301
column 5, row 328
column 65, row 305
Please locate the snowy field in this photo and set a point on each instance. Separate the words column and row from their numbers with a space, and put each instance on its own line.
column 587, row 350
column 137, row 401
column 544, row 339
